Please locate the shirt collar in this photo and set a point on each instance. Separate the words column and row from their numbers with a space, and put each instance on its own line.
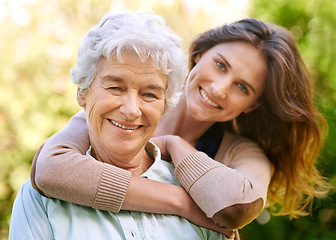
column 153, row 151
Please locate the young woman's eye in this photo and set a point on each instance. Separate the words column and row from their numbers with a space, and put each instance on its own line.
column 221, row 66
column 242, row 88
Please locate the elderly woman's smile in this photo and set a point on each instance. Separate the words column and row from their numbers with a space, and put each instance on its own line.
column 124, row 106
column 126, row 126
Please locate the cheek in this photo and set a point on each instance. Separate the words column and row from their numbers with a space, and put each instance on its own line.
column 191, row 75
column 90, row 110
column 94, row 113
column 91, row 117
column 237, row 103
column 191, row 87
column 154, row 113
column 160, row 111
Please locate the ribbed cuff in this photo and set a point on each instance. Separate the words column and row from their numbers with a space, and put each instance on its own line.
column 194, row 166
column 112, row 188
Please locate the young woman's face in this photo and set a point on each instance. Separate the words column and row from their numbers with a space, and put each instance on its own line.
column 227, row 80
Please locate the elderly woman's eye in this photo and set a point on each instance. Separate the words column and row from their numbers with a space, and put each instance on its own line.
column 115, row 88
column 150, row 95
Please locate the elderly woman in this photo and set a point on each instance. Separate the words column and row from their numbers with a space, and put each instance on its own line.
column 130, row 69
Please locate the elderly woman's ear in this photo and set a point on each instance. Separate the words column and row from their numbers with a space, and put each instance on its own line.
column 80, row 98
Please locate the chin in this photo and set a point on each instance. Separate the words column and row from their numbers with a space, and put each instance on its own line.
column 199, row 117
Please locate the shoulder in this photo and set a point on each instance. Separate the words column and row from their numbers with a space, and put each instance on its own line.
column 29, row 218
column 29, row 197
column 236, row 142
column 28, row 191
column 28, row 204
column 235, row 147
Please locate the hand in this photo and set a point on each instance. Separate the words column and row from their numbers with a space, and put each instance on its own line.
column 161, row 142
column 190, row 211
column 178, row 148
column 173, row 148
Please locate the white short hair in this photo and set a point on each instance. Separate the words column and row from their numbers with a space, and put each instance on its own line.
column 143, row 32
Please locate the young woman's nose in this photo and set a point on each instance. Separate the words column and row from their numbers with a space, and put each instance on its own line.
column 220, row 89
column 130, row 108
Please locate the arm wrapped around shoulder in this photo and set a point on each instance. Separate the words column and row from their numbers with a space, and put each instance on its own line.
column 232, row 194
column 61, row 169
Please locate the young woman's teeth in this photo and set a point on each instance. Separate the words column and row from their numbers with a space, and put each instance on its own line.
column 122, row 126
column 205, row 97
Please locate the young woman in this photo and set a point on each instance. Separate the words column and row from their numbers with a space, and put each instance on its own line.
column 247, row 105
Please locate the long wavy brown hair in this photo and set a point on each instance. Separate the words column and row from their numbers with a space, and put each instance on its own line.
column 287, row 126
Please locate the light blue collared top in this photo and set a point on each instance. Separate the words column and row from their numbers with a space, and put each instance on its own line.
column 37, row 217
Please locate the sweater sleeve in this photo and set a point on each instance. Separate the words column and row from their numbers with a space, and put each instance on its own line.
column 61, row 170
column 232, row 193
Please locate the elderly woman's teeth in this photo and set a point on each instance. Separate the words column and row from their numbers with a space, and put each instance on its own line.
column 122, row 126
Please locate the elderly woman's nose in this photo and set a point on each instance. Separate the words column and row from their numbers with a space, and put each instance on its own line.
column 130, row 107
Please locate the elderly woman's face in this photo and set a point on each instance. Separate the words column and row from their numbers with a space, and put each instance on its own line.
column 124, row 105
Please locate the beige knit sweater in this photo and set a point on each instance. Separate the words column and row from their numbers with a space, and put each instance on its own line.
column 231, row 189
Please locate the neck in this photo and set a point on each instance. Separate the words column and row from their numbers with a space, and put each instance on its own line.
column 179, row 122
column 137, row 164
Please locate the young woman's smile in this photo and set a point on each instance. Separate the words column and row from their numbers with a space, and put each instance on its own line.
column 227, row 80
column 207, row 99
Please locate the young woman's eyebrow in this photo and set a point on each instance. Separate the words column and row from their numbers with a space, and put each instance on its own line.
column 248, row 85
column 224, row 60
column 229, row 66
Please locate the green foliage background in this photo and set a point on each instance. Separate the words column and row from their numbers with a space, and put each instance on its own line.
column 38, row 46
